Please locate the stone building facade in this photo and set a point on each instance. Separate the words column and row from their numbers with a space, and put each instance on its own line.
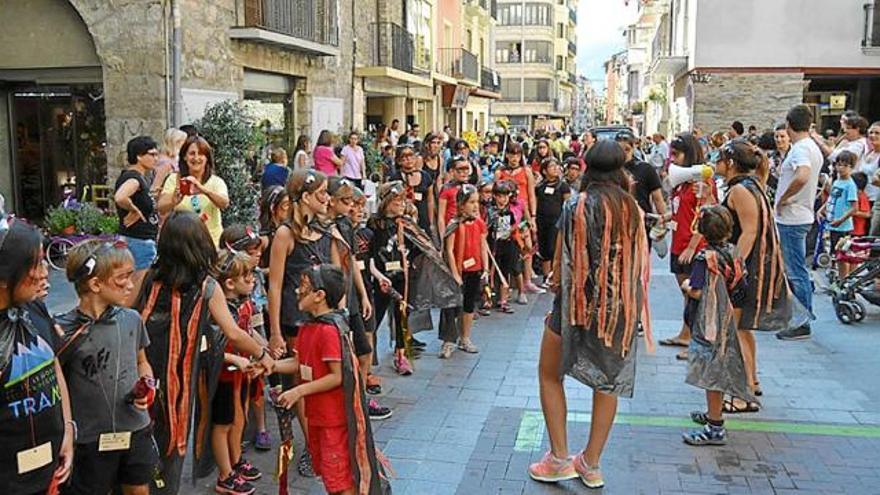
column 759, row 99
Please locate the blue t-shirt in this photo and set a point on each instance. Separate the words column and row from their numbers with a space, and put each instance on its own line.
column 843, row 194
column 274, row 175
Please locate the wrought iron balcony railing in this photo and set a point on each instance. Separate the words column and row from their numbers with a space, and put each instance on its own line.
column 310, row 20
column 458, row 63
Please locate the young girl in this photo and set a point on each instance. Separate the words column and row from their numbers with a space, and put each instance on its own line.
column 388, row 264
column 229, row 407
column 419, row 186
column 37, row 449
column 551, row 193
column 685, row 201
column 715, row 291
column 467, row 254
column 274, row 211
column 177, row 302
column 361, row 248
column 602, row 264
column 300, row 242
column 459, row 170
column 524, row 179
column 502, row 224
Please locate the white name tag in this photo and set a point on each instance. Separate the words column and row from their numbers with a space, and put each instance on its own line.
column 393, row 266
column 549, row 190
column 256, row 320
column 35, row 458
column 109, row 442
column 305, row 373
column 417, row 196
column 203, row 346
column 469, row 263
column 361, row 265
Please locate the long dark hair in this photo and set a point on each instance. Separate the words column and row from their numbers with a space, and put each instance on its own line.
column 688, row 144
column 19, row 254
column 271, row 198
column 204, row 149
column 301, row 143
column 605, row 166
column 186, row 251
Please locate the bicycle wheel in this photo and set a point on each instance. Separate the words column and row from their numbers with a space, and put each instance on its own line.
column 56, row 253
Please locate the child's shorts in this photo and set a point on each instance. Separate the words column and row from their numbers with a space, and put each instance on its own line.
column 330, row 457
column 223, row 403
column 101, row 472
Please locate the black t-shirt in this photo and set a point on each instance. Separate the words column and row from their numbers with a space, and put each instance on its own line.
column 30, row 397
column 144, row 202
column 646, row 181
column 549, row 198
column 418, row 193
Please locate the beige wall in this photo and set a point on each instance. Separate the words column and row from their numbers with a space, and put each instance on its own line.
column 32, row 36
column 761, row 100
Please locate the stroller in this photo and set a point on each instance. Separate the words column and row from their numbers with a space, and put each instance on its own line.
column 864, row 252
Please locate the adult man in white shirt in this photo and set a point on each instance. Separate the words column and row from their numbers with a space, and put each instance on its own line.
column 795, row 197
column 660, row 153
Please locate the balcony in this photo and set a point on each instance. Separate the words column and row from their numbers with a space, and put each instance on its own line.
column 310, row 26
column 393, row 56
column 663, row 62
column 531, row 58
column 871, row 28
column 458, row 63
column 490, row 80
column 572, row 16
column 572, row 48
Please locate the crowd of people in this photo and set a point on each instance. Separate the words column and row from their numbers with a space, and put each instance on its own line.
column 182, row 325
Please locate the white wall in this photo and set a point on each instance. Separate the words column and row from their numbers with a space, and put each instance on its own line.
column 780, row 33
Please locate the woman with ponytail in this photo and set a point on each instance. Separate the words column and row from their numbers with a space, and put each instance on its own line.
column 768, row 304
column 601, row 269
column 299, row 243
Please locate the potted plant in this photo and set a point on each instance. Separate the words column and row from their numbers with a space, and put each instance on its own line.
column 108, row 225
column 61, row 221
column 88, row 219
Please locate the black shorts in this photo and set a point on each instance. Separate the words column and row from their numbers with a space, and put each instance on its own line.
column 554, row 317
column 102, row 472
column 223, row 403
column 546, row 238
column 677, row 268
column 508, row 258
column 470, row 290
column 359, row 338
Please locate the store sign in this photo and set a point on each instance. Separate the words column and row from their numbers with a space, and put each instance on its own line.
column 837, row 102
column 460, row 97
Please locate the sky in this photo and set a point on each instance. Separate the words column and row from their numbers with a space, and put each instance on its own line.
column 600, row 34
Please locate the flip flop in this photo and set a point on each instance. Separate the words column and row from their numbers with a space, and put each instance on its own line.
column 681, row 355
column 674, row 342
column 731, row 407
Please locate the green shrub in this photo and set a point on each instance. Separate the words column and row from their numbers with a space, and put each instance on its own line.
column 88, row 219
column 58, row 219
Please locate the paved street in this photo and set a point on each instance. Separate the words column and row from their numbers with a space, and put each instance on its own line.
column 472, row 424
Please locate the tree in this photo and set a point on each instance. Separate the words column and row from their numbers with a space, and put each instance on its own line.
column 232, row 135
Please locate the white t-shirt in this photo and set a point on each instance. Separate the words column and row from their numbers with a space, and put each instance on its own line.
column 799, row 209
column 869, row 165
column 858, row 146
column 660, row 154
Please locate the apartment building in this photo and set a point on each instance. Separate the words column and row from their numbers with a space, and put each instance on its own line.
column 535, row 50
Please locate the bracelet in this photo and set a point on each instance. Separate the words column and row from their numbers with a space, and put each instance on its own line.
column 262, row 354
column 75, row 428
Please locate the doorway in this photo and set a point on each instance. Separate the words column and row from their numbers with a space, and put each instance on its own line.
column 58, row 142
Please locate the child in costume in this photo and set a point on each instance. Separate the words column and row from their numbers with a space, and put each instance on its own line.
column 502, row 223
column 467, row 254
column 550, row 194
column 114, row 448
column 715, row 291
column 340, row 438
column 362, row 237
column 459, row 168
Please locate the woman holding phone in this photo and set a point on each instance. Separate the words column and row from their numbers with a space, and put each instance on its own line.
column 196, row 188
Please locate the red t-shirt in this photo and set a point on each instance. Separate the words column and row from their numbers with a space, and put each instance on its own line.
column 316, row 344
column 860, row 225
column 448, row 193
column 243, row 314
column 684, row 209
column 467, row 240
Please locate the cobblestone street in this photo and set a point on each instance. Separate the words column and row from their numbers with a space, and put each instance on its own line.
column 472, row 424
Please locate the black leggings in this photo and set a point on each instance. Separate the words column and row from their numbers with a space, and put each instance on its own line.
column 470, row 290
column 383, row 303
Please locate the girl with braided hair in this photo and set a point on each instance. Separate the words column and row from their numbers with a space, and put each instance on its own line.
column 601, row 270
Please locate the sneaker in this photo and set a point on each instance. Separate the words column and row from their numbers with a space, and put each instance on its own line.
column 376, row 411
column 234, row 485
column 522, row 299
column 708, row 435
column 550, row 469
column 534, row 289
column 402, row 365
column 263, row 441
column 590, row 475
column 467, row 346
column 800, row 333
column 304, row 466
column 246, row 470
column 505, row 308
column 374, row 385
column 446, row 350
column 483, row 312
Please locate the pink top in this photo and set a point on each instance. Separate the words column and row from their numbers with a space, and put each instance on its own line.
column 352, row 157
column 323, row 156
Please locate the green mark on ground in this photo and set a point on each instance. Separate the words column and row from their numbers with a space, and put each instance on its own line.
column 531, row 428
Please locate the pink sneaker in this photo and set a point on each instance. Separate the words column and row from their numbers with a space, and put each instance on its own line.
column 402, row 366
column 550, row 469
column 590, row 475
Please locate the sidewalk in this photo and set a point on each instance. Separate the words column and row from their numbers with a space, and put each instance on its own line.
column 472, row 424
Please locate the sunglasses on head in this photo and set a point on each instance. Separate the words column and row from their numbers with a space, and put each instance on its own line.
column 87, row 268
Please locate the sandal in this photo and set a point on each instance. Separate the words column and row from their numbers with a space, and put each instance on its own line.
column 682, row 355
column 732, row 407
column 700, row 417
column 674, row 342
column 505, row 308
column 483, row 312
column 758, row 392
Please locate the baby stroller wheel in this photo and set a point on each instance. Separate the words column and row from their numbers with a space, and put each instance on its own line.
column 844, row 313
column 823, row 260
column 858, row 310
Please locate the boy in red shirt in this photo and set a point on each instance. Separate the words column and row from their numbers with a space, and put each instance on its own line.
column 332, row 389
column 468, row 256
column 862, row 215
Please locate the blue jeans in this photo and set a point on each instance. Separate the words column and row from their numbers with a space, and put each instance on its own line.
column 793, row 240
column 142, row 250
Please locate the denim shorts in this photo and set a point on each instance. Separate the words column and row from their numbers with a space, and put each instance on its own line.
column 143, row 251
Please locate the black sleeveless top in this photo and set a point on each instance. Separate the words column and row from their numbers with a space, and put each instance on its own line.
column 304, row 255
column 418, row 194
column 750, row 183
